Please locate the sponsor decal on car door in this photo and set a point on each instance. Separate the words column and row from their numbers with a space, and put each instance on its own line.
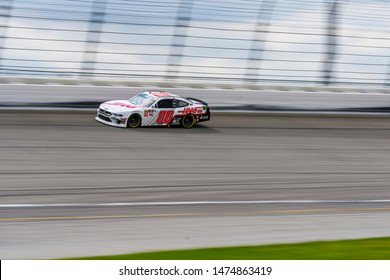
column 165, row 116
column 161, row 116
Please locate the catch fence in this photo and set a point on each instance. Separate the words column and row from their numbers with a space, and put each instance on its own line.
column 319, row 42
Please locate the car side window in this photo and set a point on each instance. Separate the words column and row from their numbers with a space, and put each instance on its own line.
column 180, row 103
column 165, row 103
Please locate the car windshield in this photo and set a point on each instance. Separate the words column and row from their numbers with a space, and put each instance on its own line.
column 142, row 99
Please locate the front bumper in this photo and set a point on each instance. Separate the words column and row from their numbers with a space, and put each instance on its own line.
column 111, row 120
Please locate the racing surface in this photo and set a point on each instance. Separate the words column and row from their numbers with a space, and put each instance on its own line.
column 70, row 186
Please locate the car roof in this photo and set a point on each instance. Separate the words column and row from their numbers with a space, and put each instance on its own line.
column 158, row 93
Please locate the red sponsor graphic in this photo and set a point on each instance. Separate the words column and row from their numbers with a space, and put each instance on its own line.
column 160, row 93
column 191, row 110
column 165, row 116
column 127, row 105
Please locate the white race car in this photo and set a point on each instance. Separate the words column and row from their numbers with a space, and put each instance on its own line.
column 153, row 108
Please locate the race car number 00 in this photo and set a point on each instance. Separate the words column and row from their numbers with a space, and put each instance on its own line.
column 165, row 116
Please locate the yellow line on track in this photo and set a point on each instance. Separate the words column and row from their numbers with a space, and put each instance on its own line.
column 89, row 217
column 287, row 211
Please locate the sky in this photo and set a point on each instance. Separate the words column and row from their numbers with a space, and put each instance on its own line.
column 231, row 41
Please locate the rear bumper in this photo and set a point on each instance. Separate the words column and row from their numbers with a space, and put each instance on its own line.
column 205, row 117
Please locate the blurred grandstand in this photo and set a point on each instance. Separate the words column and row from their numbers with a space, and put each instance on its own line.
column 238, row 42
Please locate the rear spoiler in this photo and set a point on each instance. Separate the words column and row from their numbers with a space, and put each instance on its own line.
column 197, row 100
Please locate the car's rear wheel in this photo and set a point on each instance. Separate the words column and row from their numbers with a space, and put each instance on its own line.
column 134, row 120
column 188, row 121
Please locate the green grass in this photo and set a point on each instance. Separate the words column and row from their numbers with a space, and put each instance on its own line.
column 355, row 249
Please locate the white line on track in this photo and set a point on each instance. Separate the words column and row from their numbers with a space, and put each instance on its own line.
column 183, row 203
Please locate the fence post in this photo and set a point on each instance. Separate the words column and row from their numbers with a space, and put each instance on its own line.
column 5, row 14
column 96, row 22
column 331, row 41
column 263, row 21
column 183, row 19
column 387, row 78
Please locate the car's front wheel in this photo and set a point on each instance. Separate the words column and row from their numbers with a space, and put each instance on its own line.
column 188, row 121
column 134, row 120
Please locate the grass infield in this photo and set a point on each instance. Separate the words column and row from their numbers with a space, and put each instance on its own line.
column 354, row 249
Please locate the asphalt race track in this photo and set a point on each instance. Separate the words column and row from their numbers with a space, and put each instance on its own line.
column 70, row 186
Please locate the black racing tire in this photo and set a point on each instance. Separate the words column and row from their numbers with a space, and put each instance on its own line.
column 134, row 120
column 188, row 121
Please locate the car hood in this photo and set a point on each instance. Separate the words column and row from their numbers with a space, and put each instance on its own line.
column 116, row 106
